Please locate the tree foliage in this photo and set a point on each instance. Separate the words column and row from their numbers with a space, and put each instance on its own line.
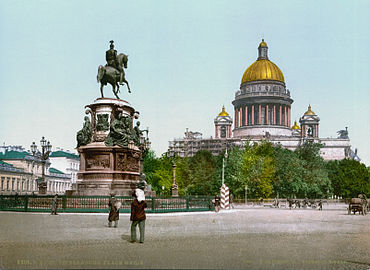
column 267, row 170
column 349, row 178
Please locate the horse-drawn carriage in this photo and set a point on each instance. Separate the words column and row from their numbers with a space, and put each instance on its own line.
column 359, row 205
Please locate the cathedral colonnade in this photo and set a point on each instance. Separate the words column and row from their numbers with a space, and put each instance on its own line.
column 263, row 114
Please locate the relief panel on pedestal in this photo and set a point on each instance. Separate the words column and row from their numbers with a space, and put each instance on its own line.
column 97, row 162
column 128, row 162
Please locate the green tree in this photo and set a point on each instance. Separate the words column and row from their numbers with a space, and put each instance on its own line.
column 349, row 178
column 234, row 178
column 158, row 172
column 258, row 168
column 289, row 182
column 202, row 173
column 316, row 183
column 150, row 164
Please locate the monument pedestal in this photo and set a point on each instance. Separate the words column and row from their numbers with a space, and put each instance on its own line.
column 105, row 170
column 108, row 169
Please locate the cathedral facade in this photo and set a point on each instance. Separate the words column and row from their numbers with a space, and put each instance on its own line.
column 262, row 111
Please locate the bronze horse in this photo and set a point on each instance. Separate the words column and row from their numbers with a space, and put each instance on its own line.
column 111, row 75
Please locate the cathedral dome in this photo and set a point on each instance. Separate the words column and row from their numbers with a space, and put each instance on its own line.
column 263, row 68
column 309, row 111
column 223, row 113
column 295, row 127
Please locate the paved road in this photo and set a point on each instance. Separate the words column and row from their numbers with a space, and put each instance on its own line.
column 252, row 238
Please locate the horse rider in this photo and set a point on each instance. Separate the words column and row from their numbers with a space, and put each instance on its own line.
column 111, row 58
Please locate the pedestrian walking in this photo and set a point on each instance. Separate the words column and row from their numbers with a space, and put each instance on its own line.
column 320, row 205
column 217, row 202
column 114, row 211
column 231, row 200
column 54, row 205
column 138, row 216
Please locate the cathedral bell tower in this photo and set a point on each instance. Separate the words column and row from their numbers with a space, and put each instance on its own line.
column 309, row 124
column 223, row 123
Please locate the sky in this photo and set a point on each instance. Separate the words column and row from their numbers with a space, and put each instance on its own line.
column 186, row 60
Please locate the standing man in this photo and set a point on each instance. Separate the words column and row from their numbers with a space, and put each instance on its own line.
column 138, row 216
column 111, row 58
column 113, row 212
column 231, row 200
column 320, row 205
column 217, row 203
column 54, row 205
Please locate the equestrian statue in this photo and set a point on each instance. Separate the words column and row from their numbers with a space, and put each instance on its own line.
column 113, row 72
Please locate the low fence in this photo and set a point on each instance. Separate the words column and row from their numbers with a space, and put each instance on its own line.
column 285, row 202
column 96, row 204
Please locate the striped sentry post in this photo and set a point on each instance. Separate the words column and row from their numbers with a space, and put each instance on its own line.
column 225, row 197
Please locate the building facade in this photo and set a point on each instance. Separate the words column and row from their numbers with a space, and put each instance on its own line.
column 262, row 111
column 20, row 171
column 66, row 162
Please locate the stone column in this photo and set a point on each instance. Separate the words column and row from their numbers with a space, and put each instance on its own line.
column 267, row 114
column 281, row 114
column 274, row 115
column 241, row 117
column 246, row 115
column 252, row 115
column 236, row 118
column 285, row 117
column 259, row 114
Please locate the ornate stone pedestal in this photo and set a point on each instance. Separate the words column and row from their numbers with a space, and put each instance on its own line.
column 108, row 169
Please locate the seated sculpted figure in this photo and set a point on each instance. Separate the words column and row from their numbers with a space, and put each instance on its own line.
column 84, row 135
column 119, row 133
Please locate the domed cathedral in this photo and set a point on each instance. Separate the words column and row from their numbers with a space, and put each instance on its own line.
column 263, row 104
column 262, row 109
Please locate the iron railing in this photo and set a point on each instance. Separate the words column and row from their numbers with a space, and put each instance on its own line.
column 93, row 204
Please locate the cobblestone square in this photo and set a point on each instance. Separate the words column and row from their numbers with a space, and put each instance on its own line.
column 241, row 238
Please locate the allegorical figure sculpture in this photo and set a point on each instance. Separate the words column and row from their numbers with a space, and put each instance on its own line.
column 137, row 134
column 120, row 132
column 343, row 134
column 84, row 135
column 113, row 72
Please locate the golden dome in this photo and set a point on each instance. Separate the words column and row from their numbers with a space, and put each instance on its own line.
column 309, row 112
column 263, row 69
column 263, row 43
column 295, row 127
column 223, row 113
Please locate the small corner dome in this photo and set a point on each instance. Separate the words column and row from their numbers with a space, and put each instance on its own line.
column 309, row 111
column 223, row 113
column 295, row 127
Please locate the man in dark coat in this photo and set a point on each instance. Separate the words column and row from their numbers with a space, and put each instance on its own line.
column 54, row 205
column 114, row 212
column 138, row 216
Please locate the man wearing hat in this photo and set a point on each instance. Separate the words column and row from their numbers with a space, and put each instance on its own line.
column 113, row 212
column 111, row 58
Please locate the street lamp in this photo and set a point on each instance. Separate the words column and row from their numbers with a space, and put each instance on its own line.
column 46, row 149
column 223, row 167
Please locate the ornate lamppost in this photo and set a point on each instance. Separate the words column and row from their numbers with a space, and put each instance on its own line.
column 45, row 151
column 223, row 167
column 175, row 187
